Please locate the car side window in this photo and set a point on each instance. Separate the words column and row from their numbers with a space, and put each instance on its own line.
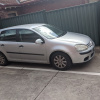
column 8, row 35
column 27, row 35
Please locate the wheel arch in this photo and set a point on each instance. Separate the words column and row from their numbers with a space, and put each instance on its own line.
column 3, row 54
column 58, row 52
column 3, row 59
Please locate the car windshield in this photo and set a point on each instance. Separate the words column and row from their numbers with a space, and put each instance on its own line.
column 49, row 31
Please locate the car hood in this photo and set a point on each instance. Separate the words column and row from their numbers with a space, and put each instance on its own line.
column 75, row 37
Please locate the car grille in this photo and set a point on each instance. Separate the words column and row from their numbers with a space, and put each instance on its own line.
column 90, row 44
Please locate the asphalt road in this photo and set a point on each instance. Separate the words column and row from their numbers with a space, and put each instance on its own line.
column 24, row 81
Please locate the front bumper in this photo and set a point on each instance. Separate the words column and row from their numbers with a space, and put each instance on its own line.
column 89, row 56
column 84, row 56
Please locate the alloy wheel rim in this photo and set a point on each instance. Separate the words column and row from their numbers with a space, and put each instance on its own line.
column 60, row 61
column 2, row 59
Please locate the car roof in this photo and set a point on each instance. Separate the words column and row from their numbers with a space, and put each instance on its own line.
column 25, row 26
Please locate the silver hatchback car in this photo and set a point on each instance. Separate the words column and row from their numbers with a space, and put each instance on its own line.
column 43, row 43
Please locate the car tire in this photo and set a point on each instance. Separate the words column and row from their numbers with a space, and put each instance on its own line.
column 61, row 61
column 3, row 60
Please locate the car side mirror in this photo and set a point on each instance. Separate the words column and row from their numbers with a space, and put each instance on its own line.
column 39, row 41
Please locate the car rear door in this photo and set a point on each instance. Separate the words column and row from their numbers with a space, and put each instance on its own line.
column 9, row 45
column 29, row 50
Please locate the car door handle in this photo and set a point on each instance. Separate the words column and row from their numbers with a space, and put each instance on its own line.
column 21, row 46
column 2, row 44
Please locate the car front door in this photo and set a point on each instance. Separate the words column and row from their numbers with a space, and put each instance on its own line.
column 29, row 50
column 9, row 45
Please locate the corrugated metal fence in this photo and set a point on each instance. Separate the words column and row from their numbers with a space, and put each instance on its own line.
column 83, row 19
column 38, row 17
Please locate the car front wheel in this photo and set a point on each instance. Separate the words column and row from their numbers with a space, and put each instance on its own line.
column 61, row 61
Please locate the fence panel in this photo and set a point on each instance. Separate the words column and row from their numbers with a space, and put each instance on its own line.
column 87, row 21
column 37, row 17
column 0, row 24
column 98, row 15
column 66, row 19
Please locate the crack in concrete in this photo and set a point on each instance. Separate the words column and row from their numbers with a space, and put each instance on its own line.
column 47, row 85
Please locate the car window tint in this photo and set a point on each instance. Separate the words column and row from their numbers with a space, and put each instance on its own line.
column 28, row 35
column 8, row 35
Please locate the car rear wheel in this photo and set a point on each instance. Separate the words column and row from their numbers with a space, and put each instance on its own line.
column 3, row 60
column 61, row 61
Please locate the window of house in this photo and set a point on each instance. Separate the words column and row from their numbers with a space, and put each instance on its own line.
column 12, row 14
column 8, row 35
column 28, row 36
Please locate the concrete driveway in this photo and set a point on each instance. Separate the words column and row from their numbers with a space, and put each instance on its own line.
column 24, row 81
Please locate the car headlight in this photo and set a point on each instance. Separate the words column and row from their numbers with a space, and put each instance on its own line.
column 81, row 47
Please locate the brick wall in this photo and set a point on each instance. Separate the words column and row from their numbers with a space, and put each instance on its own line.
column 8, row 2
column 93, row 0
column 50, row 5
column 4, row 13
column 44, row 4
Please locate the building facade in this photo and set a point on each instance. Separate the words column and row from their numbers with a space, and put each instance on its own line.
column 11, row 8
